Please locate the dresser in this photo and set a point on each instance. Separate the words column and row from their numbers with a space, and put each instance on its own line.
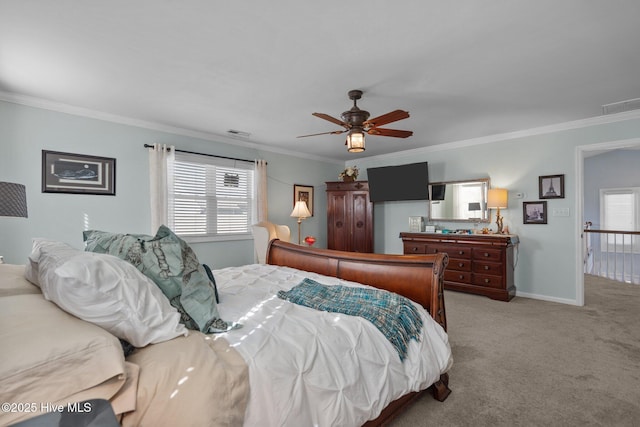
column 349, row 216
column 480, row 264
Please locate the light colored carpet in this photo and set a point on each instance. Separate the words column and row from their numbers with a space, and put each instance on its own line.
column 537, row 363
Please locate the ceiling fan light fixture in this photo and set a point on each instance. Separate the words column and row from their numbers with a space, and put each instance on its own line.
column 355, row 123
column 355, row 141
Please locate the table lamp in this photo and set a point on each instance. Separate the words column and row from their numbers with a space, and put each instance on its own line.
column 301, row 212
column 473, row 208
column 497, row 199
column 13, row 201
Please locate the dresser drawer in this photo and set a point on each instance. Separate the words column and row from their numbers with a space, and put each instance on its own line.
column 453, row 251
column 414, row 248
column 457, row 276
column 487, row 254
column 487, row 280
column 459, row 264
column 486, row 267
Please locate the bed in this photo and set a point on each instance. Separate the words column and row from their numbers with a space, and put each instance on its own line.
column 247, row 375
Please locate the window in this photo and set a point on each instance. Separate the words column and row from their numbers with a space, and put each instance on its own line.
column 469, row 200
column 619, row 212
column 212, row 197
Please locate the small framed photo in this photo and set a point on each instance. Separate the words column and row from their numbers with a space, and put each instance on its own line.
column 551, row 187
column 78, row 173
column 303, row 193
column 534, row 212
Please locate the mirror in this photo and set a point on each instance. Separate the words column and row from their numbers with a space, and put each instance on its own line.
column 462, row 201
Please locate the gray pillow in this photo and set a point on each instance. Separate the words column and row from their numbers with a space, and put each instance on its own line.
column 171, row 263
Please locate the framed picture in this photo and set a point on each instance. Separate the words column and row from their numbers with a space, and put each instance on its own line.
column 304, row 193
column 551, row 187
column 78, row 174
column 534, row 212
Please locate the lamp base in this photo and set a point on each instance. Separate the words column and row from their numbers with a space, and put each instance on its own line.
column 499, row 222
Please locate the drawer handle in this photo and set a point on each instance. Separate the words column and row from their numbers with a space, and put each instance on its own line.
column 487, row 280
column 414, row 249
column 486, row 254
column 461, row 264
column 486, row 267
column 435, row 251
column 461, row 277
column 460, row 252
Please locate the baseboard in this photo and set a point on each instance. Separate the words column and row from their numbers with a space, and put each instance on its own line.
column 547, row 298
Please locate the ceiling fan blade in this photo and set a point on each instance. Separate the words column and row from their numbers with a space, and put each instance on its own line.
column 335, row 132
column 390, row 132
column 393, row 116
column 331, row 119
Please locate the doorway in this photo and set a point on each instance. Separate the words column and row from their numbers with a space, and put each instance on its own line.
column 582, row 152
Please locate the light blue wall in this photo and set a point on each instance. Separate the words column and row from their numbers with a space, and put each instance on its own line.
column 546, row 256
column 26, row 131
column 614, row 169
column 546, row 266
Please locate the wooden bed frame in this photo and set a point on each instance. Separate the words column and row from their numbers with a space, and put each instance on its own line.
column 417, row 277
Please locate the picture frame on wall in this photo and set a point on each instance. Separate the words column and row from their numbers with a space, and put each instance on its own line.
column 534, row 212
column 551, row 187
column 78, row 173
column 303, row 193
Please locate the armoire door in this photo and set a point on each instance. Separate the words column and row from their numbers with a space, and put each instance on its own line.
column 337, row 221
column 361, row 222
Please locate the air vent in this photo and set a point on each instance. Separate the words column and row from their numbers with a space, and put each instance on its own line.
column 622, row 106
column 231, row 180
column 238, row 133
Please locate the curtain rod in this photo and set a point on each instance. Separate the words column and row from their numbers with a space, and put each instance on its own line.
column 205, row 154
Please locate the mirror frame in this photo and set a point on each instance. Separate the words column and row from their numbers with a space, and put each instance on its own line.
column 487, row 218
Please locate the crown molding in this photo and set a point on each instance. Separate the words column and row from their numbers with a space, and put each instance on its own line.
column 575, row 124
column 100, row 115
column 114, row 118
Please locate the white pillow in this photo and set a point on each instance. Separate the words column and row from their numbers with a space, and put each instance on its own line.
column 59, row 251
column 107, row 291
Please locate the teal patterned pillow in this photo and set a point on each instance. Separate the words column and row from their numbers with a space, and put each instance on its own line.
column 171, row 263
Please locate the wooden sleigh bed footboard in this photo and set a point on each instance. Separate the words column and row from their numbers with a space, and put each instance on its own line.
column 417, row 277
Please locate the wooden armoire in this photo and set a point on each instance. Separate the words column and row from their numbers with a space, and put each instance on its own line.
column 349, row 216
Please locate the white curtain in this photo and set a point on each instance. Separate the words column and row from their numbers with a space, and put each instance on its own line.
column 261, row 190
column 161, row 159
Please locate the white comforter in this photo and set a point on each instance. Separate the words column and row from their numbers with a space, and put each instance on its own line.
column 312, row 368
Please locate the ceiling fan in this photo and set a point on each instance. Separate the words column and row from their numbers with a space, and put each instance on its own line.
column 356, row 123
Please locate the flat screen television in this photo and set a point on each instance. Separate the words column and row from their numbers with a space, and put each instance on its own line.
column 403, row 182
column 437, row 191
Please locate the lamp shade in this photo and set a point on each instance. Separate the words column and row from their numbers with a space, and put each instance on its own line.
column 497, row 198
column 13, row 200
column 355, row 141
column 300, row 210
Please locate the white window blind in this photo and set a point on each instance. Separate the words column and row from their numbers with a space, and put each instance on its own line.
column 619, row 212
column 212, row 197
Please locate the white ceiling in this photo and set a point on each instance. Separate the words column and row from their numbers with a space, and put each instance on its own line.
column 463, row 69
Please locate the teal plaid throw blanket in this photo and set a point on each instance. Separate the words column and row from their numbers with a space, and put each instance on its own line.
column 394, row 315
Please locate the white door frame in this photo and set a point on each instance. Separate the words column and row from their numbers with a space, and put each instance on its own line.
column 581, row 151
